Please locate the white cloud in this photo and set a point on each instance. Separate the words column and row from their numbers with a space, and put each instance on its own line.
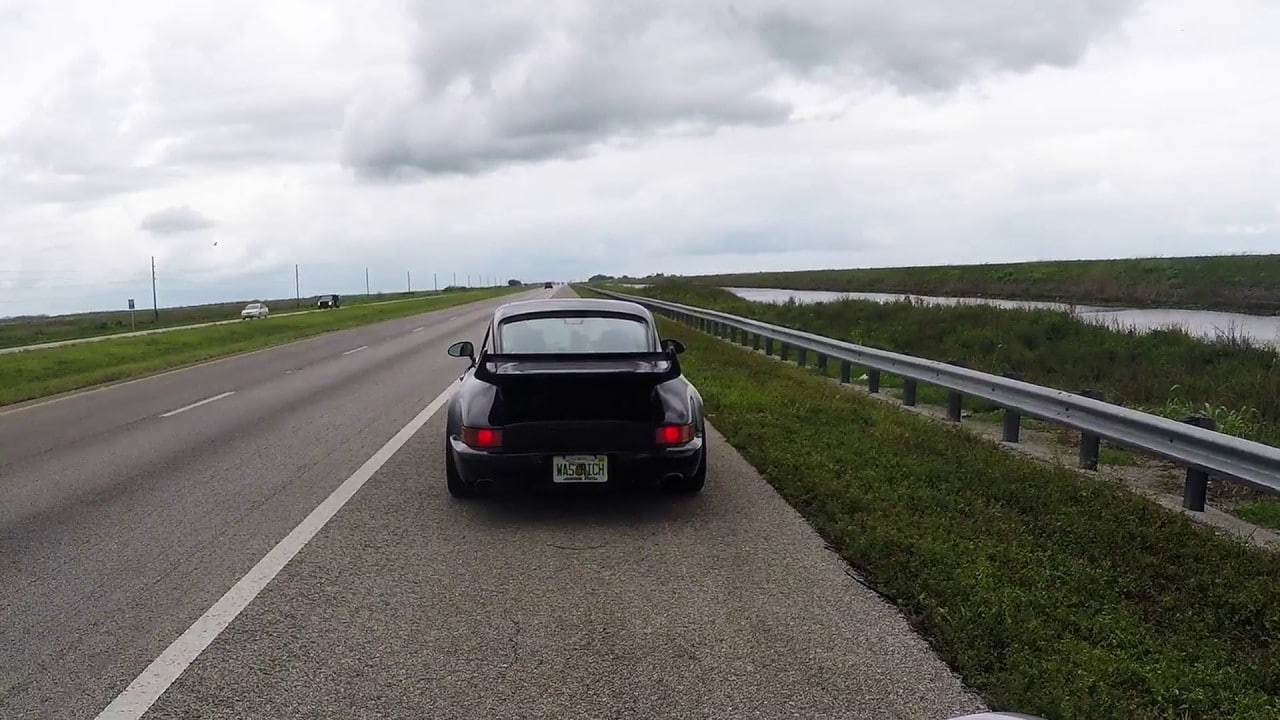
column 622, row 137
column 175, row 220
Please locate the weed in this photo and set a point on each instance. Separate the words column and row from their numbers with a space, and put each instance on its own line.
column 1237, row 384
column 1049, row 593
column 1243, row 283
column 1263, row 512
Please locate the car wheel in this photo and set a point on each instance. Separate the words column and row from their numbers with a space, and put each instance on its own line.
column 458, row 487
column 693, row 484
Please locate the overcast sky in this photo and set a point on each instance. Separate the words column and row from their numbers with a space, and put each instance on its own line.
column 547, row 139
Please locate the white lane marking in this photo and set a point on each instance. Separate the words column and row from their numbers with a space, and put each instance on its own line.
column 142, row 693
column 419, row 329
column 455, row 317
column 194, row 405
column 356, row 350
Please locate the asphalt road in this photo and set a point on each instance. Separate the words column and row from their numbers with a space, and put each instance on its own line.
column 125, row 528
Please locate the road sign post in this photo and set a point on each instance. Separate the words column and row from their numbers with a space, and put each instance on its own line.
column 133, row 323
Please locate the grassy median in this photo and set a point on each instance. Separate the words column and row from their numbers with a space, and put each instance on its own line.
column 44, row 329
column 39, row 373
column 1243, row 283
column 1049, row 592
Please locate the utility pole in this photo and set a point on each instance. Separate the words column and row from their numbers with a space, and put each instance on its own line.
column 435, row 286
column 408, row 282
column 366, row 282
column 297, row 285
column 455, row 279
column 155, row 304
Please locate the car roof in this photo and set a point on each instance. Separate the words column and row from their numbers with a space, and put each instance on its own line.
column 586, row 305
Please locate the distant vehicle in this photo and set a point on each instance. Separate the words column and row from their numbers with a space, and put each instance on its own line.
column 254, row 310
column 574, row 391
column 329, row 301
column 548, row 285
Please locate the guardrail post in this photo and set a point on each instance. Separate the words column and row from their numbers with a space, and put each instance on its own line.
column 955, row 400
column 1090, row 444
column 909, row 392
column 1197, row 485
column 846, row 371
column 822, row 363
column 873, row 381
column 1012, row 418
column 755, row 342
column 782, row 351
column 802, row 356
column 768, row 347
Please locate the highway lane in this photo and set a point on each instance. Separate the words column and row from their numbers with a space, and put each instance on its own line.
column 408, row 603
column 412, row 605
column 118, row 526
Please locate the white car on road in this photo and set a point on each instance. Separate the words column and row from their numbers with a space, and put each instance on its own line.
column 254, row 310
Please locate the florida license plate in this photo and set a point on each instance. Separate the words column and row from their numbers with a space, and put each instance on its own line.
column 580, row 468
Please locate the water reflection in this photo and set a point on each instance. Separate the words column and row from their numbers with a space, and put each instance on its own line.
column 1202, row 323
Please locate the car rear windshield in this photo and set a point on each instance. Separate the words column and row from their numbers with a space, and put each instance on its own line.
column 575, row 334
column 253, row 306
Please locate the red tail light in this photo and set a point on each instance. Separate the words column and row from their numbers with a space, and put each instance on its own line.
column 674, row 434
column 482, row 438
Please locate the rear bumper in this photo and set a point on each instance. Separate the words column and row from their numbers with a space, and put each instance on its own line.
column 534, row 469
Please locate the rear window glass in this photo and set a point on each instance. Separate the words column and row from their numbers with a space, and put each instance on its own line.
column 582, row 334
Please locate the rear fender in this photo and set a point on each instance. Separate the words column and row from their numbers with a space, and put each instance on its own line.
column 471, row 405
column 680, row 405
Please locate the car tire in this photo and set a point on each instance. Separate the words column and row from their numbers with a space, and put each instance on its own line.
column 458, row 487
column 693, row 484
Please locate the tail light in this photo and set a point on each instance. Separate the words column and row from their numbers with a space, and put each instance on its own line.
column 482, row 438
column 674, row 434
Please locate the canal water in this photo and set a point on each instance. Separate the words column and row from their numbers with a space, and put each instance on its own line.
column 1202, row 323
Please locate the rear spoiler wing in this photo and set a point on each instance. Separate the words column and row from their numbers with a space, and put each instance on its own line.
column 654, row 367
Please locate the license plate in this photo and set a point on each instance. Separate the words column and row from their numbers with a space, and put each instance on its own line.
column 580, row 468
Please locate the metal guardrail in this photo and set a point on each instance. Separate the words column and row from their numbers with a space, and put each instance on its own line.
column 1193, row 443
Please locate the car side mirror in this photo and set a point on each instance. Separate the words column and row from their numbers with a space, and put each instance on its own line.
column 463, row 348
column 673, row 346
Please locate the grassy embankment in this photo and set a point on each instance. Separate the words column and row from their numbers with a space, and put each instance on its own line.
column 1050, row 593
column 1169, row 373
column 39, row 373
column 1241, row 283
column 37, row 330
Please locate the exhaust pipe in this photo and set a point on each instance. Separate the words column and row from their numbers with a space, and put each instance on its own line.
column 672, row 477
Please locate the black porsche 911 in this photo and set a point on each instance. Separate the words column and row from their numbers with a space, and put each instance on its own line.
column 574, row 391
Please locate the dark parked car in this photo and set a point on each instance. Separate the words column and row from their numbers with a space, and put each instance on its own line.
column 329, row 301
column 574, row 391
column 548, row 285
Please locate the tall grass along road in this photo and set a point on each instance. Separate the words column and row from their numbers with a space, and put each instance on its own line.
column 39, row 373
column 1166, row 372
column 1049, row 592
column 1240, row 283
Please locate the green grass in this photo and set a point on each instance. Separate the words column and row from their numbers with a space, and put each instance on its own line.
column 1166, row 372
column 17, row 332
column 39, row 373
column 1048, row 592
column 1243, row 283
column 1265, row 513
